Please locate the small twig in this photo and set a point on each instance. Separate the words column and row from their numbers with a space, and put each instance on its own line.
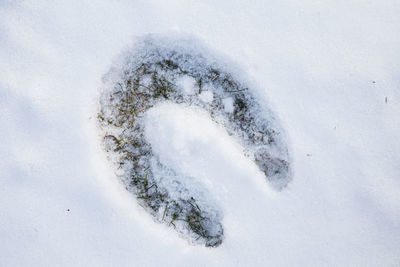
column 165, row 211
column 215, row 77
column 235, row 91
column 145, row 178
column 113, row 138
column 196, row 207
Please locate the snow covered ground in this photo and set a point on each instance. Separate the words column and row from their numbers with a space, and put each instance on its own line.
column 330, row 70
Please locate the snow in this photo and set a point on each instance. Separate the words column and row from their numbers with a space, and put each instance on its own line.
column 187, row 84
column 206, row 96
column 228, row 104
column 325, row 68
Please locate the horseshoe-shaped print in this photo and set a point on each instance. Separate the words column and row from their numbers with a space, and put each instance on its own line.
column 178, row 70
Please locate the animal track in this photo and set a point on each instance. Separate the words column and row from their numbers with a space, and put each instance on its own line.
column 180, row 71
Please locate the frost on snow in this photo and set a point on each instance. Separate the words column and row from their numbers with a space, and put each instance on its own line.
column 180, row 71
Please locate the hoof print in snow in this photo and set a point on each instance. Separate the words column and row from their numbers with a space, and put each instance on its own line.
column 180, row 71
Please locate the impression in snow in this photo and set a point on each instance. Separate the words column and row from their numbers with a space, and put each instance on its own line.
column 177, row 70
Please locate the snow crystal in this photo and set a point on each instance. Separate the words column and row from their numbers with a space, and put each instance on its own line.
column 228, row 104
column 187, row 84
column 206, row 96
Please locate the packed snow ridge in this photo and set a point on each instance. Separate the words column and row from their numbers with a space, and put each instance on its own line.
column 160, row 72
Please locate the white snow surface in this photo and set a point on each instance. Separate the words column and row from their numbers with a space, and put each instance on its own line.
column 330, row 71
column 187, row 84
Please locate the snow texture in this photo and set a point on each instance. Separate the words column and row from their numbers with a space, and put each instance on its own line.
column 168, row 66
column 329, row 70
